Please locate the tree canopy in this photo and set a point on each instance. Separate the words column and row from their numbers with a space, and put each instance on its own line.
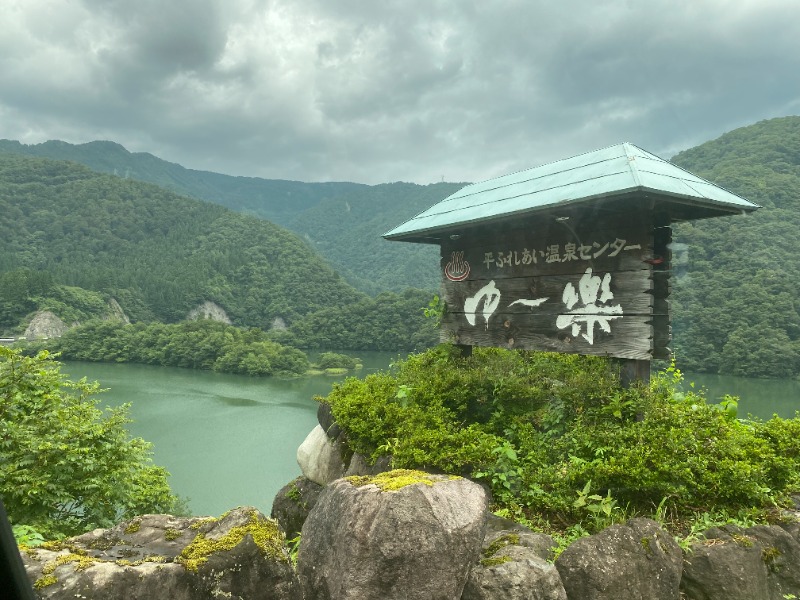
column 67, row 466
column 736, row 308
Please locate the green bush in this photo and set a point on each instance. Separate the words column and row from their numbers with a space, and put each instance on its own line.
column 332, row 360
column 556, row 437
column 65, row 465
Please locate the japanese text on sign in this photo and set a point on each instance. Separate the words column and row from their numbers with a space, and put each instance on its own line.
column 552, row 253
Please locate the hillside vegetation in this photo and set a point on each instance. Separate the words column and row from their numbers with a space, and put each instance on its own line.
column 160, row 255
column 736, row 309
column 564, row 448
column 342, row 221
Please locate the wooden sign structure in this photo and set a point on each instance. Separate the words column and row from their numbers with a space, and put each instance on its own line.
column 562, row 285
column 572, row 257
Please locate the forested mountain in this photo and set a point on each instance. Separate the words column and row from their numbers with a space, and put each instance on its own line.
column 347, row 231
column 735, row 306
column 343, row 221
column 276, row 200
column 736, row 309
column 160, row 255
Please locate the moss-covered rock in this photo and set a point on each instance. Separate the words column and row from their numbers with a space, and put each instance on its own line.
column 402, row 534
column 242, row 554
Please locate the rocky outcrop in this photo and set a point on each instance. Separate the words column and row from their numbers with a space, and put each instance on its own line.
column 321, row 459
column 325, row 455
column 115, row 312
column 45, row 325
column 514, row 565
column 735, row 563
column 241, row 555
column 402, row 534
column 292, row 504
column 209, row 310
column 278, row 324
column 630, row 561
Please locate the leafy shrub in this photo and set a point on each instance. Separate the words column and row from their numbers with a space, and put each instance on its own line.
column 547, row 430
column 332, row 360
column 65, row 465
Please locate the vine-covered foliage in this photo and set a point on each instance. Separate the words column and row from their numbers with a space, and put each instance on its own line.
column 555, row 435
column 202, row 344
column 67, row 466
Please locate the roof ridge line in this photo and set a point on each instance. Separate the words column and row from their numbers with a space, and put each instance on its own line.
column 632, row 163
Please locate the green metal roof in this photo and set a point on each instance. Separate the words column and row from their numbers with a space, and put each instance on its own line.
column 618, row 171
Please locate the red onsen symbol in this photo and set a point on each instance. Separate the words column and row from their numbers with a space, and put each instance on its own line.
column 457, row 269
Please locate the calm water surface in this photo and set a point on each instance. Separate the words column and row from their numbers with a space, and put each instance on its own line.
column 231, row 440
column 227, row 440
column 759, row 397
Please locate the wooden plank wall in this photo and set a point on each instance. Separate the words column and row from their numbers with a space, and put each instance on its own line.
column 583, row 285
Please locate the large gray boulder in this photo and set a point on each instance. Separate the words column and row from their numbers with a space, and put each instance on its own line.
column 623, row 562
column 321, row 459
column 240, row 555
column 401, row 534
column 735, row 563
column 514, row 565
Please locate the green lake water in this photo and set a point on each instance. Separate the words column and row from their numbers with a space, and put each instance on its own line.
column 759, row 397
column 231, row 440
column 227, row 440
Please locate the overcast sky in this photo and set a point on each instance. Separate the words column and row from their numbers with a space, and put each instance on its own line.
column 375, row 91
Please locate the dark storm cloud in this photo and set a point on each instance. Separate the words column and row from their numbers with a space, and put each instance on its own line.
column 384, row 91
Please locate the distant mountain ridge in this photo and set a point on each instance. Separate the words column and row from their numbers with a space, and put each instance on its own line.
column 273, row 199
column 341, row 220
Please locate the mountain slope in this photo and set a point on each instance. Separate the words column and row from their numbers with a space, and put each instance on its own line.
column 736, row 309
column 272, row 199
column 347, row 231
column 343, row 221
column 100, row 232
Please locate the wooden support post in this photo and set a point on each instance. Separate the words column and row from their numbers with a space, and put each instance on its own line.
column 466, row 350
column 632, row 371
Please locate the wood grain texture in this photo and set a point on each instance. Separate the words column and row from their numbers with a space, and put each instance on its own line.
column 630, row 337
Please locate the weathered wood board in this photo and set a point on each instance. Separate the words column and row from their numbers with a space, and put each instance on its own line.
column 629, row 337
column 597, row 288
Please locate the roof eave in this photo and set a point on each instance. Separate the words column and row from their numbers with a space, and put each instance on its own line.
column 433, row 235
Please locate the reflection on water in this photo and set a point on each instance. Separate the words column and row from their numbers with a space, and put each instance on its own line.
column 233, row 401
column 227, row 440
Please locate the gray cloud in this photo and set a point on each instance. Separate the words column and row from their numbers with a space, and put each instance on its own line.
column 385, row 91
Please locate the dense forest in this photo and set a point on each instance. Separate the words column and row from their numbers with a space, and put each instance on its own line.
column 75, row 238
column 736, row 309
column 342, row 221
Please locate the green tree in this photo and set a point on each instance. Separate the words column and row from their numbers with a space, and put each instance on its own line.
column 66, row 466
